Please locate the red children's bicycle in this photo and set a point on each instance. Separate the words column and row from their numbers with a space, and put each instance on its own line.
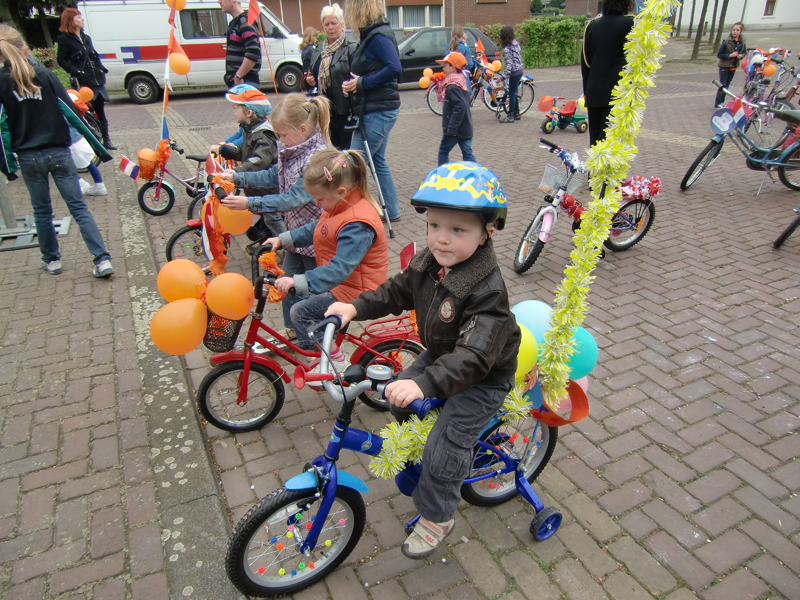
column 245, row 390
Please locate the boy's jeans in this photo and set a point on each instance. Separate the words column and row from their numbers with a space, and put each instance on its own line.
column 35, row 165
column 308, row 312
column 377, row 126
column 447, row 457
column 448, row 143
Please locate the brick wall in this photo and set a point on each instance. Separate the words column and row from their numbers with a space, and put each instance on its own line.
column 485, row 12
column 578, row 7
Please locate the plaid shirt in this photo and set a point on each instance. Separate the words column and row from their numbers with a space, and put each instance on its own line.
column 292, row 163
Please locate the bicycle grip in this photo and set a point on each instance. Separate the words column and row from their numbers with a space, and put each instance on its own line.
column 423, row 407
column 717, row 83
column 220, row 193
column 332, row 320
column 255, row 256
column 548, row 143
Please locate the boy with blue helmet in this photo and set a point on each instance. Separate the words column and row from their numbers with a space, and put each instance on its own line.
column 466, row 325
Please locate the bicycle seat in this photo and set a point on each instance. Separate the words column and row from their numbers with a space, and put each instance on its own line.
column 569, row 108
column 790, row 116
column 196, row 157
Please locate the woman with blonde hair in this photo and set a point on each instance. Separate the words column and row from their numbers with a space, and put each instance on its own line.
column 37, row 109
column 375, row 68
column 307, row 47
column 330, row 68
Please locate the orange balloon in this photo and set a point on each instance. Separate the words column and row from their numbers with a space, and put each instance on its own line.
column 234, row 222
column 770, row 70
column 74, row 92
column 146, row 154
column 86, row 94
column 230, row 296
column 179, row 327
column 179, row 279
column 179, row 4
column 424, row 82
column 428, row 72
column 497, row 65
column 546, row 103
column 179, row 63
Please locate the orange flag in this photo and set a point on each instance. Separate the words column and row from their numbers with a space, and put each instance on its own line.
column 253, row 10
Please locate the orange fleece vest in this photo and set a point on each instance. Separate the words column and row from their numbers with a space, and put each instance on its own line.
column 371, row 271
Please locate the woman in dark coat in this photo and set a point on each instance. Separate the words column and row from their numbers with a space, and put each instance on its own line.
column 77, row 56
column 602, row 61
column 330, row 68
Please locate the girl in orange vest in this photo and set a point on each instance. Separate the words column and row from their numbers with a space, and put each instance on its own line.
column 349, row 242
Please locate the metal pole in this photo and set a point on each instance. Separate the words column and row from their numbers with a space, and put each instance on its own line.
column 9, row 218
column 453, row 12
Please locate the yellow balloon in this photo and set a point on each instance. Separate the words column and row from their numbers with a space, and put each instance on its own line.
column 582, row 103
column 230, row 296
column 179, row 327
column 179, row 279
column 428, row 72
column 86, row 94
column 527, row 355
column 179, row 63
column 424, row 82
column 497, row 65
column 179, row 4
column 234, row 222
column 770, row 70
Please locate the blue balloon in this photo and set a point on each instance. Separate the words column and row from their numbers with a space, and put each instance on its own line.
column 585, row 358
column 535, row 315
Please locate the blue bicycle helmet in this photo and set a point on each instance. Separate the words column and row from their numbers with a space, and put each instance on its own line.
column 465, row 186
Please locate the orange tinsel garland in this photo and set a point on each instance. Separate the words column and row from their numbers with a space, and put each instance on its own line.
column 162, row 153
column 268, row 263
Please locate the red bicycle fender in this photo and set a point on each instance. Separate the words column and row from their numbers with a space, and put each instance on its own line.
column 259, row 358
column 194, row 222
column 359, row 352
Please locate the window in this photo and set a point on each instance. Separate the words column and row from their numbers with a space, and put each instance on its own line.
column 412, row 17
column 435, row 15
column 270, row 30
column 203, row 23
column 769, row 9
column 393, row 14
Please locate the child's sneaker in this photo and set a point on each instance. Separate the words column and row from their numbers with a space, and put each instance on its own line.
column 85, row 187
column 53, row 267
column 426, row 537
column 103, row 269
column 98, row 189
column 340, row 366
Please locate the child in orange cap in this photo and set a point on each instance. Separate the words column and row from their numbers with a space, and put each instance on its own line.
column 456, row 118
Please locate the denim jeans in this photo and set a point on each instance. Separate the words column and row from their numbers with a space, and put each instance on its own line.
column 513, row 99
column 307, row 313
column 448, row 143
column 725, row 78
column 294, row 264
column 377, row 126
column 35, row 165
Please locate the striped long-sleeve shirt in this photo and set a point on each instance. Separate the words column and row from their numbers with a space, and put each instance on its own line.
column 242, row 43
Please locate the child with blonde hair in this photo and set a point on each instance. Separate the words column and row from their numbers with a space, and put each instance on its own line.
column 301, row 125
column 349, row 243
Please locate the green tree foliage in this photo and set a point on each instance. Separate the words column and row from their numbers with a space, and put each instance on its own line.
column 546, row 41
column 555, row 4
column 536, row 6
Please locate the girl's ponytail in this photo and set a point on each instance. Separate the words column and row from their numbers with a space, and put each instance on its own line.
column 12, row 53
column 330, row 169
column 455, row 37
column 324, row 117
column 361, row 178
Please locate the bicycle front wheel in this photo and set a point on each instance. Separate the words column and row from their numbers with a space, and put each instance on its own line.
column 432, row 98
column 187, row 243
column 630, row 225
column 510, row 437
column 701, row 163
column 526, row 94
column 789, row 231
column 195, row 206
column 790, row 175
column 218, row 393
column 154, row 201
column 530, row 246
column 263, row 557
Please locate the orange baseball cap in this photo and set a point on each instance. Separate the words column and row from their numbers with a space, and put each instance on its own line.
column 455, row 59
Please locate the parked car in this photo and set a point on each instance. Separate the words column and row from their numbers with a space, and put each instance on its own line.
column 131, row 39
column 422, row 48
column 399, row 34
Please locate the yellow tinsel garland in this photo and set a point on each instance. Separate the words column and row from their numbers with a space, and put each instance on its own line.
column 608, row 163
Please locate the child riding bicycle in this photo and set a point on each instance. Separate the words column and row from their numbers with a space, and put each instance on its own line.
column 472, row 338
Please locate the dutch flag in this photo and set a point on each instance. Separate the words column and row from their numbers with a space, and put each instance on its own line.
column 739, row 114
column 130, row 169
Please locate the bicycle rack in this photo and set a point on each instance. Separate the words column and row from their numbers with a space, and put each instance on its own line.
column 24, row 234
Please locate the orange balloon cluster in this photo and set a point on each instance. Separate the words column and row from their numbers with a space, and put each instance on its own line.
column 428, row 72
column 179, row 63
column 497, row 65
column 179, row 4
column 235, row 222
column 180, row 326
column 230, row 296
column 424, row 82
column 86, row 94
column 770, row 69
column 181, row 278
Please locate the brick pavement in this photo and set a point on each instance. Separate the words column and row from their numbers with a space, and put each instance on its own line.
column 681, row 482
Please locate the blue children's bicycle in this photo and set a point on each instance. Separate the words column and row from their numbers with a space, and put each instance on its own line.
column 303, row 531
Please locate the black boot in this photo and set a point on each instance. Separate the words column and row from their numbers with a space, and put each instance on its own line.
column 516, row 115
column 106, row 139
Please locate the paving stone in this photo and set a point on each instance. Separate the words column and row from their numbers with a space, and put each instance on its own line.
column 494, row 534
column 778, row 576
column 755, row 477
column 585, row 450
column 708, row 457
column 780, row 424
column 678, row 560
column 642, row 566
column 786, row 448
column 664, row 437
column 47, row 562
column 37, row 509
column 621, row 586
column 764, row 509
column 384, row 523
column 621, row 500
column 600, row 526
column 777, row 544
column 666, row 463
column 739, row 585
column 576, row 582
column 624, row 444
column 530, row 579
column 152, row 587
column 25, row 545
column 109, row 590
column 789, row 475
column 584, row 477
column 586, row 550
column 638, row 524
column 733, row 548
column 432, row 578
column 671, row 492
column 625, row 469
column 489, row 579
column 146, row 554
column 675, row 524
column 387, row 565
column 555, row 483
column 713, row 486
column 94, row 571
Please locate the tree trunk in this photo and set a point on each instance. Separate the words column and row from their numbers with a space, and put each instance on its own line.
column 691, row 19
column 721, row 27
column 698, row 38
column 713, row 21
column 678, row 28
column 48, row 40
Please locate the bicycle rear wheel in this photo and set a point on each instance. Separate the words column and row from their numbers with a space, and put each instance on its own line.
column 432, row 98
column 187, row 243
column 790, row 176
column 701, row 163
column 789, row 231
column 630, row 225
column 526, row 94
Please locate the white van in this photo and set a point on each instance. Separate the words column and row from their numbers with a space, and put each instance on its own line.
column 131, row 38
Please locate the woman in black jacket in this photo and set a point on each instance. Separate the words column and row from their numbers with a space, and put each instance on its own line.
column 330, row 68
column 77, row 56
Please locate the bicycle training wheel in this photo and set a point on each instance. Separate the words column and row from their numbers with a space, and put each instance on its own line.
column 525, row 95
column 630, row 225
column 511, row 438
column 530, row 246
column 790, row 176
column 218, row 393
column 263, row 557
column 155, row 202
column 789, row 231
column 701, row 163
column 195, row 206
column 406, row 356
column 187, row 243
column 432, row 98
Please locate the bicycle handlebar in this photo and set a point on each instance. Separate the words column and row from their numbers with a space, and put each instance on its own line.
column 254, row 260
column 548, row 143
column 174, row 146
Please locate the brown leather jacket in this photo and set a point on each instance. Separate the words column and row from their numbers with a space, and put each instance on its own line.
column 464, row 320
